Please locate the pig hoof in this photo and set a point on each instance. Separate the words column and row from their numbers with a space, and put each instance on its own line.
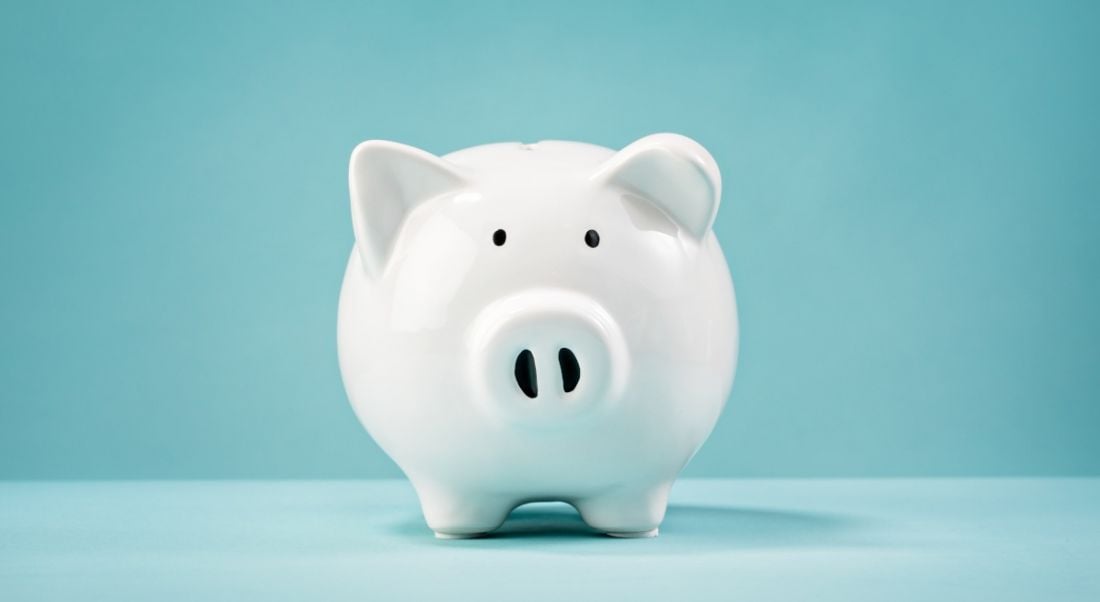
column 633, row 534
column 443, row 535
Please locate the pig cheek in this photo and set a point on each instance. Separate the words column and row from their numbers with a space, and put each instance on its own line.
column 429, row 275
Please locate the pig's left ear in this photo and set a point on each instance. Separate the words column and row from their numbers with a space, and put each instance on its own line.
column 674, row 173
column 387, row 181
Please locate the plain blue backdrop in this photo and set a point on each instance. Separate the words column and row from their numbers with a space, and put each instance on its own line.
column 911, row 217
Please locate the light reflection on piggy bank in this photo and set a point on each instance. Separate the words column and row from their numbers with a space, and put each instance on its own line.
column 535, row 322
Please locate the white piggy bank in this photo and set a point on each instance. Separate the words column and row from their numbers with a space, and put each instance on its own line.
column 536, row 322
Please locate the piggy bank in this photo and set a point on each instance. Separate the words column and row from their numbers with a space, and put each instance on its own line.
column 538, row 322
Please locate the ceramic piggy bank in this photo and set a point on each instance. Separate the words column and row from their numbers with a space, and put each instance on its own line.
column 536, row 322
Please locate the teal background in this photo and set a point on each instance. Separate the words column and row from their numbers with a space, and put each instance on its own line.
column 911, row 218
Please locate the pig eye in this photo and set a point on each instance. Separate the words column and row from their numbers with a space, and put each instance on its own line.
column 499, row 237
column 592, row 238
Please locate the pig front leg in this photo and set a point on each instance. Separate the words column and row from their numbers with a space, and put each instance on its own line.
column 626, row 512
column 457, row 514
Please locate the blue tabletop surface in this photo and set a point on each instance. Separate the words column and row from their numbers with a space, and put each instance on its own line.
column 948, row 539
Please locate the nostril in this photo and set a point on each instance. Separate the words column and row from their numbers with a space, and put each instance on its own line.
column 526, row 377
column 570, row 369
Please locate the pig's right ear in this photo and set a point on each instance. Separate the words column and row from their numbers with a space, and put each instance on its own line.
column 387, row 181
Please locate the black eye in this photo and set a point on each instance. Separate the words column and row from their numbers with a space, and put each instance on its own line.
column 499, row 237
column 592, row 238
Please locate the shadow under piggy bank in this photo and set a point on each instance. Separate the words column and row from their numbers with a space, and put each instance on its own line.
column 686, row 527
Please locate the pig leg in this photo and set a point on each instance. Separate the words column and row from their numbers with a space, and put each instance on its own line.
column 454, row 514
column 626, row 512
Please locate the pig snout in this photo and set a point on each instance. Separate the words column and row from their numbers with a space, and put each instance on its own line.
column 543, row 355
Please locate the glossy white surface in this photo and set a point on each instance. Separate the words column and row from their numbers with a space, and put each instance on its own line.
column 434, row 316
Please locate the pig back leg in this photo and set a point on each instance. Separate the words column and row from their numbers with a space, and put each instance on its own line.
column 455, row 514
column 626, row 512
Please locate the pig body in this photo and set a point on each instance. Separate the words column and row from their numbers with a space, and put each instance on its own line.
column 553, row 321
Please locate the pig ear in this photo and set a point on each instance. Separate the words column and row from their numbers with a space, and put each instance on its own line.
column 672, row 172
column 387, row 181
